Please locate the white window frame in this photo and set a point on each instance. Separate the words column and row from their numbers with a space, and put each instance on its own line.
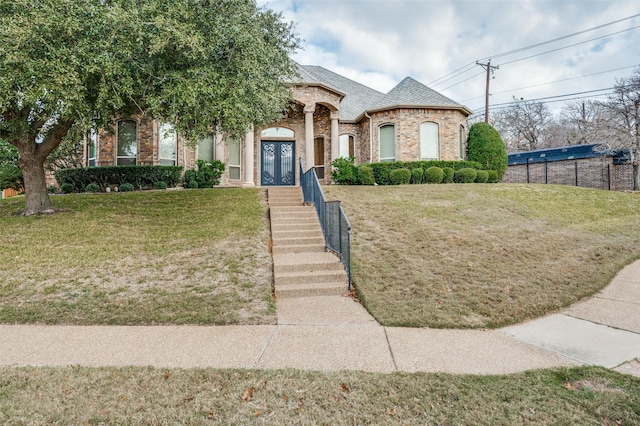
column 210, row 141
column 347, row 145
column 381, row 158
column 237, row 166
column 429, row 141
column 167, row 132
column 124, row 157
column 93, row 142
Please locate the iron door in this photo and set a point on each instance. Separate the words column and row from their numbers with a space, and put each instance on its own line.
column 278, row 164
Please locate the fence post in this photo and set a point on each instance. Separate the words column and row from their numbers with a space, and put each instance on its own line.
column 575, row 164
column 528, row 170
column 546, row 171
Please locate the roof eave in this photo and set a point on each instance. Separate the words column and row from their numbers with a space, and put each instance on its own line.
column 322, row 85
column 461, row 108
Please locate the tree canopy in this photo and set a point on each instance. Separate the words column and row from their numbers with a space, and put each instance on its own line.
column 70, row 65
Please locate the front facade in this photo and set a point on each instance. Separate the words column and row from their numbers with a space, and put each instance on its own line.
column 330, row 116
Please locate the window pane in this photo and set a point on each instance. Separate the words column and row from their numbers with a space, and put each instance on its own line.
column 206, row 149
column 461, row 142
column 93, row 142
column 234, row 173
column 127, row 139
column 429, row 149
column 168, row 141
column 346, row 146
column 387, row 143
column 277, row 132
column 234, row 153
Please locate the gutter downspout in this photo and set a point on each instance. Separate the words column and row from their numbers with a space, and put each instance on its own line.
column 366, row 114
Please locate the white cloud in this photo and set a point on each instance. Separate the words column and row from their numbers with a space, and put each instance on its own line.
column 378, row 43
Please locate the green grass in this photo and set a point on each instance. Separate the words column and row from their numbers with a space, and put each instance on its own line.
column 587, row 395
column 472, row 256
column 158, row 257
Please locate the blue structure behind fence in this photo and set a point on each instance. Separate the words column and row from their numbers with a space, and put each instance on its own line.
column 334, row 223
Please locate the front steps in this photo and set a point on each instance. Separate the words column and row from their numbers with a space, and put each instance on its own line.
column 302, row 268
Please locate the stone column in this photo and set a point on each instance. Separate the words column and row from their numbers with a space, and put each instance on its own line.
column 308, row 135
column 335, row 137
column 248, row 158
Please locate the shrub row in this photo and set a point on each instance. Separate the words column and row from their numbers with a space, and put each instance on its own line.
column 140, row 177
column 345, row 172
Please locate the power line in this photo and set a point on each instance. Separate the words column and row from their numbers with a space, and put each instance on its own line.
column 548, row 98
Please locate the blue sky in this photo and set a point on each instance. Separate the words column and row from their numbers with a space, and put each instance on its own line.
column 378, row 43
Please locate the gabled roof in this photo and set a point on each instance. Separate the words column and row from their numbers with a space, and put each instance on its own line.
column 359, row 99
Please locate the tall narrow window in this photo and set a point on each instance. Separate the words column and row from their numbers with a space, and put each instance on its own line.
column 388, row 143
column 318, row 150
column 347, row 146
column 92, row 148
column 429, row 147
column 206, row 148
column 234, row 160
column 168, row 141
column 462, row 138
column 127, row 143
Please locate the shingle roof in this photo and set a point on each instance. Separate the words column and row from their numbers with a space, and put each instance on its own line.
column 359, row 98
column 564, row 153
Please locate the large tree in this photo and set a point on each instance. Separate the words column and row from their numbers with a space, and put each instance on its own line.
column 523, row 125
column 69, row 65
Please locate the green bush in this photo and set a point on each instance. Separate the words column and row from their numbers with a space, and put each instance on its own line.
column 193, row 184
column 11, row 177
column 482, row 176
column 160, row 185
column 493, row 176
column 67, row 188
column 400, row 176
column 52, row 189
column 434, row 175
column 207, row 174
column 139, row 176
column 485, row 146
column 92, row 187
column 448, row 175
column 365, row 175
column 466, row 175
column 126, row 187
column 381, row 170
column 417, row 175
column 344, row 171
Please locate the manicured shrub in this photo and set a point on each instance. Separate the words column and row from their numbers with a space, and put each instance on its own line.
column 67, row 188
column 126, row 187
column 434, row 175
column 160, row 185
column 465, row 175
column 365, row 175
column 493, row 176
column 400, row 176
column 448, row 175
column 52, row 189
column 481, row 176
column 381, row 170
column 485, row 146
column 207, row 174
column 193, row 184
column 92, row 187
column 344, row 171
column 139, row 176
column 417, row 175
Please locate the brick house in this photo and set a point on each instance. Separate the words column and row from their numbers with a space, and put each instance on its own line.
column 330, row 116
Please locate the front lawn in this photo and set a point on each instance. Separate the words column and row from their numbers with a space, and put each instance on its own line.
column 470, row 256
column 153, row 257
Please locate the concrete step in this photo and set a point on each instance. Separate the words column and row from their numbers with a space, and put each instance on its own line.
column 298, row 248
column 276, row 203
column 306, row 290
column 293, row 215
column 289, row 226
column 279, row 210
column 309, row 267
column 294, row 221
column 310, row 277
column 291, row 262
column 289, row 233
column 297, row 240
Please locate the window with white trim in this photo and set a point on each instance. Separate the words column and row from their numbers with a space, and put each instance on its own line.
column 234, row 160
column 92, row 148
column 347, row 145
column 207, row 148
column 277, row 132
column 387, row 143
column 127, row 150
column 168, row 142
column 429, row 145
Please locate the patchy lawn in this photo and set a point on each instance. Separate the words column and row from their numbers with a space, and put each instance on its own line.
column 587, row 395
column 153, row 257
column 468, row 256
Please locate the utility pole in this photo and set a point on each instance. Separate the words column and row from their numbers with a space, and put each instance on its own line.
column 489, row 69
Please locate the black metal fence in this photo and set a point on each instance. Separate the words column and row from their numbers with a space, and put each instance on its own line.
column 333, row 221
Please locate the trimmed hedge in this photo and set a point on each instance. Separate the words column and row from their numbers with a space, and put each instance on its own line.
column 381, row 171
column 400, row 176
column 448, row 175
column 482, row 176
column 493, row 176
column 126, row 187
column 434, row 174
column 466, row 175
column 92, row 187
column 485, row 146
column 417, row 175
column 139, row 176
column 365, row 175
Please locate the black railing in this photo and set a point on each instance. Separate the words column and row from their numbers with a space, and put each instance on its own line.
column 334, row 223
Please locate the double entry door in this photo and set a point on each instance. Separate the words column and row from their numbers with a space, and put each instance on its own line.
column 277, row 163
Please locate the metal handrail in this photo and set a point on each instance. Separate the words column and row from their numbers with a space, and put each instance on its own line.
column 333, row 221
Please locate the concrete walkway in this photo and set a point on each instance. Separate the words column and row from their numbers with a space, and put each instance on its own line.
column 332, row 332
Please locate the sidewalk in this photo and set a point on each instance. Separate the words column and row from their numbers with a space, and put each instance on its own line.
column 604, row 330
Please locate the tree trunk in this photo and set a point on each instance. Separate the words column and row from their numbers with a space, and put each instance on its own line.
column 35, row 186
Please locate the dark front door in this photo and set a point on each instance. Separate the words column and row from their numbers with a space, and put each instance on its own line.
column 278, row 163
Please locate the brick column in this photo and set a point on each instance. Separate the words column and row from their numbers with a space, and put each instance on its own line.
column 248, row 158
column 335, row 137
column 308, row 135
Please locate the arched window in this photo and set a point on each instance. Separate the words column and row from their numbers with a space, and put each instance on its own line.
column 462, row 140
column 347, row 143
column 168, row 141
column 429, row 146
column 277, row 132
column 127, row 143
column 387, row 143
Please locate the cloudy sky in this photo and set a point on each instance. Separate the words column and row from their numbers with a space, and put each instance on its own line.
column 437, row 42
